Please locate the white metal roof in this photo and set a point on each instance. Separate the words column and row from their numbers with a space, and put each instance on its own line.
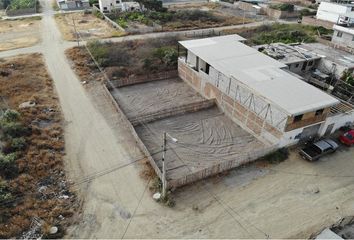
column 260, row 73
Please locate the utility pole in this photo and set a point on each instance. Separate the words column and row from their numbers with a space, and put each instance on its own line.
column 76, row 33
column 164, row 166
column 164, row 182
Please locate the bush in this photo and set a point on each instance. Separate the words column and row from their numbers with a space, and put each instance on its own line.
column 166, row 55
column 5, row 194
column 307, row 12
column 13, row 129
column 10, row 116
column 22, row 4
column 278, row 156
column 8, row 167
column 283, row 7
column 18, row 144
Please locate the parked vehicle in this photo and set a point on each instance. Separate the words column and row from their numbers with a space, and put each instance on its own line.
column 347, row 138
column 314, row 151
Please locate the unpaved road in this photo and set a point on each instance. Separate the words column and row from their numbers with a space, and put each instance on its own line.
column 255, row 202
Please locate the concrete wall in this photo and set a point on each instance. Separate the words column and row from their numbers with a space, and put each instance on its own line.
column 338, row 120
column 221, row 167
column 126, row 122
column 277, row 14
column 308, row 20
column 249, row 7
column 131, row 80
column 297, row 67
column 173, row 111
column 19, row 12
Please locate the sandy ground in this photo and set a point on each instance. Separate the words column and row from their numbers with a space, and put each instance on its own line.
column 19, row 33
column 205, row 138
column 89, row 26
column 141, row 99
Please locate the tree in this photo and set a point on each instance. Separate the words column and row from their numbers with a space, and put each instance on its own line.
column 4, row 3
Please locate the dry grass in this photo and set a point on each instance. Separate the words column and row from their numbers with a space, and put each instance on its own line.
column 19, row 33
column 41, row 164
column 89, row 26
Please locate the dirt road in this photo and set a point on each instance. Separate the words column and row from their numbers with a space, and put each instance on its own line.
column 293, row 199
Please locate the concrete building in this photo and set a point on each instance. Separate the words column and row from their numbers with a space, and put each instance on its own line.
column 336, row 12
column 302, row 58
column 255, row 90
column 73, row 4
column 296, row 58
column 110, row 5
column 344, row 37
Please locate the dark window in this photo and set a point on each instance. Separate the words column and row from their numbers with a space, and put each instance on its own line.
column 339, row 34
column 319, row 112
column 117, row 1
column 310, row 63
column 296, row 65
column 207, row 68
column 353, row 38
column 298, row 118
column 104, row 8
column 352, row 9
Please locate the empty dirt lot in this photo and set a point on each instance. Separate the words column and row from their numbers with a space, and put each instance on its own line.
column 19, row 33
column 205, row 138
column 88, row 26
column 142, row 99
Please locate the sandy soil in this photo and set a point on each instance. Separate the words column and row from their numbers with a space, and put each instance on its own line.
column 141, row 99
column 19, row 33
column 205, row 138
column 88, row 26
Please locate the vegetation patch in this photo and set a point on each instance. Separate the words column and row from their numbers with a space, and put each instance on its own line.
column 128, row 58
column 277, row 156
column 34, row 192
column 285, row 33
column 176, row 19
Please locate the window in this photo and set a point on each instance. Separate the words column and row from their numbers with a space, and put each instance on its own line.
column 352, row 38
column 296, row 65
column 104, row 8
column 117, row 2
column 319, row 112
column 298, row 118
column 352, row 9
column 339, row 34
column 310, row 63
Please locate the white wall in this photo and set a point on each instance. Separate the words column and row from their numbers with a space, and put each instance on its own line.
column 191, row 59
column 339, row 121
column 331, row 11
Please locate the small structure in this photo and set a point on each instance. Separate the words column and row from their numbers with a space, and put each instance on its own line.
column 68, row 5
column 255, row 90
column 117, row 5
column 304, row 57
column 296, row 58
column 328, row 234
column 344, row 37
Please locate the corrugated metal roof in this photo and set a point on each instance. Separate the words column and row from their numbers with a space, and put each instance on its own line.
column 259, row 72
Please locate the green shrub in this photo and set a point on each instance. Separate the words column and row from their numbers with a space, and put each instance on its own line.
column 307, row 12
column 99, row 52
column 122, row 22
column 10, row 116
column 22, row 4
column 5, row 194
column 283, row 7
column 277, row 156
column 8, row 167
column 13, row 129
column 166, row 55
column 18, row 144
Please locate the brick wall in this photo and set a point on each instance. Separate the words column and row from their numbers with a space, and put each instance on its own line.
column 233, row 109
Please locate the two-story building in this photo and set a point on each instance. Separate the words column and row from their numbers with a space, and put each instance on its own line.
column 255, row 90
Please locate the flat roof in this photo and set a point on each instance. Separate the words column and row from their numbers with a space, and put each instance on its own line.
column 260, row 73
column 287, row 53
column 337, row 56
